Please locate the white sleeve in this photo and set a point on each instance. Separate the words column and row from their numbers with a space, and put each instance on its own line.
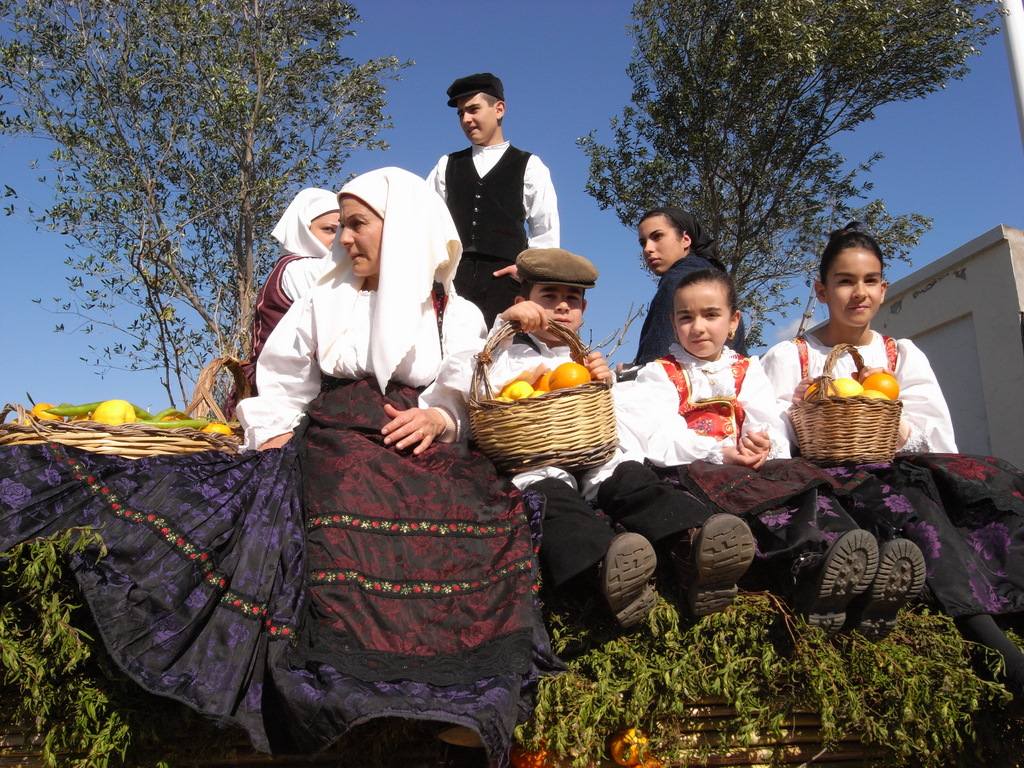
column 540, row 204
column 299, row 276
column 781, row 364
column 650, row 426
column 435, row 179
column 924, row 407
column 287, row 377
column 762, row 411
column 463, row 332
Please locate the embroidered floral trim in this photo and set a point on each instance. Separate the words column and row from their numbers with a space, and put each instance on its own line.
column 187, row 549
column 416, row 588
column 407, row 527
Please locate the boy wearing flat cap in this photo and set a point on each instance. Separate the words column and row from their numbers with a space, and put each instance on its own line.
column 580, row 547
column 495, row 193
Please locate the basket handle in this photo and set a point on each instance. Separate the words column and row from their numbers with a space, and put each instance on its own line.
column 202, row 398
column 827, row 388
column 578, row 351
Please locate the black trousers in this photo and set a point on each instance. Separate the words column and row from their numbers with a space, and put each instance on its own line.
column 575, row 535
column 475, row 281
column 636, row 498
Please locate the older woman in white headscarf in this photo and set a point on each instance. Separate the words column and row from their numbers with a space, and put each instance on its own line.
column 419, row 561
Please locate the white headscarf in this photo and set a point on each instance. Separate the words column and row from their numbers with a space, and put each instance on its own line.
column 292, row 229
column 419, row 246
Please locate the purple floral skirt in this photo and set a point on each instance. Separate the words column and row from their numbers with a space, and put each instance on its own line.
column 217, row 591
column 966, row 513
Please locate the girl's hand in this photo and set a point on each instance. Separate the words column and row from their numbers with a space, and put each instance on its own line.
column 414, row 428
column 598, row 367
column 732, row 454
column 801, row 388
column 276, row 442
column 757, row 445
column 530, row 316
column 863, row 373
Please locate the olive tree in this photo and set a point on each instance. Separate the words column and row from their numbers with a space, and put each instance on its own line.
column 179, row 130
column 735, row 107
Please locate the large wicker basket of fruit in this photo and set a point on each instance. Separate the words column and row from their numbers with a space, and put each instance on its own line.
column 571, row 427
column 121, row 428
column 839, row 420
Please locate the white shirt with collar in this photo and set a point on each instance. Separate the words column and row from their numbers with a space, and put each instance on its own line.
column 539, row 199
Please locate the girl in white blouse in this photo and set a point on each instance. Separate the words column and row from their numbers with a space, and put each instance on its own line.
column 964, row 513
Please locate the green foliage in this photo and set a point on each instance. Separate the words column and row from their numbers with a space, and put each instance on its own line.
column 735, row 107
column 913, row 698
column 181, row 130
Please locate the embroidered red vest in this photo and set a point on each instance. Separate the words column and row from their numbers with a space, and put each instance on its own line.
column 718, row 417
column 891, row 354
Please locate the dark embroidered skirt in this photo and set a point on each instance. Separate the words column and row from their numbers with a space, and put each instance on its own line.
column 208, row 592
column 966, row 513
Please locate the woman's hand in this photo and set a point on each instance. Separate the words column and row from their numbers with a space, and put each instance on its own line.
column 413, row 427
column 801, row 389
column 598, row 367
column 530, row 316
column 276, row 442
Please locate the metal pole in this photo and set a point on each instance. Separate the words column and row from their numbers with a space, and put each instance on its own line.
column 1013, row 34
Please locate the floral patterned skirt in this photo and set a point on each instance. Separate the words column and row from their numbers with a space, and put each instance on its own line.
column 216, row 590
column 966, row 513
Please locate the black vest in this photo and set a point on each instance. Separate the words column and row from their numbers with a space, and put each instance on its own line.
column 488, row 212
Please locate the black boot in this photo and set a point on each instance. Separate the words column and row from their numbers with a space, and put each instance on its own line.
column 709, row 560
column 625, row 572
column 900, row 578
column 844, row 572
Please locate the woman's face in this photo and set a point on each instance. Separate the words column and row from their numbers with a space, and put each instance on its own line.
column 325, row 226
column 662, row 245
column 361, row 231
column 853, row 289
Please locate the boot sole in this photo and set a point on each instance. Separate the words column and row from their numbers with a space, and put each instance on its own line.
column 900, row 578
column 724, row 551
column 628, row 565
column 847, row 570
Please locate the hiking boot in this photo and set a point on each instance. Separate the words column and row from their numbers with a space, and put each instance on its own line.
column 900, row 578
column 845, row 572
column 625, row 572
column 710, row 559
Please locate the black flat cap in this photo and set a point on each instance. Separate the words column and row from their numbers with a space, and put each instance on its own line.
column 554, row 266
column 484, row 82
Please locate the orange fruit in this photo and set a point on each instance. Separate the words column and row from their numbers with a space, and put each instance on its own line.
column 543, row 382
column 625, row 746
column 520, row 758
column 39, row 411
column 883, row 382
column 569, row 375
column 216, row 426
column 874, row 394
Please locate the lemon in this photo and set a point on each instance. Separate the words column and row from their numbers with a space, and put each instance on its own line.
column 517, row 390
column 217, row 426
column 39, row 411
column 875, row 394
column 848, row 387
column 114, row 412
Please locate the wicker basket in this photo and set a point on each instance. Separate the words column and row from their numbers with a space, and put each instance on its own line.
column 571, row 428
column 833, row 429
column 132, row 441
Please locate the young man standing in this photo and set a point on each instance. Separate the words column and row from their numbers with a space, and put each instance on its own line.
column 493, row 191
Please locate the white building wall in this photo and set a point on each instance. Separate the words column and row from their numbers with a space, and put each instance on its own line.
column 965, row 311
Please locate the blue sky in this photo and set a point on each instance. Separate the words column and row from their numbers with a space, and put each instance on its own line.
column 955, row 157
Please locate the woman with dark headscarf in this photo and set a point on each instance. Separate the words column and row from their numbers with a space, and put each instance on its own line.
column 674, row 244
